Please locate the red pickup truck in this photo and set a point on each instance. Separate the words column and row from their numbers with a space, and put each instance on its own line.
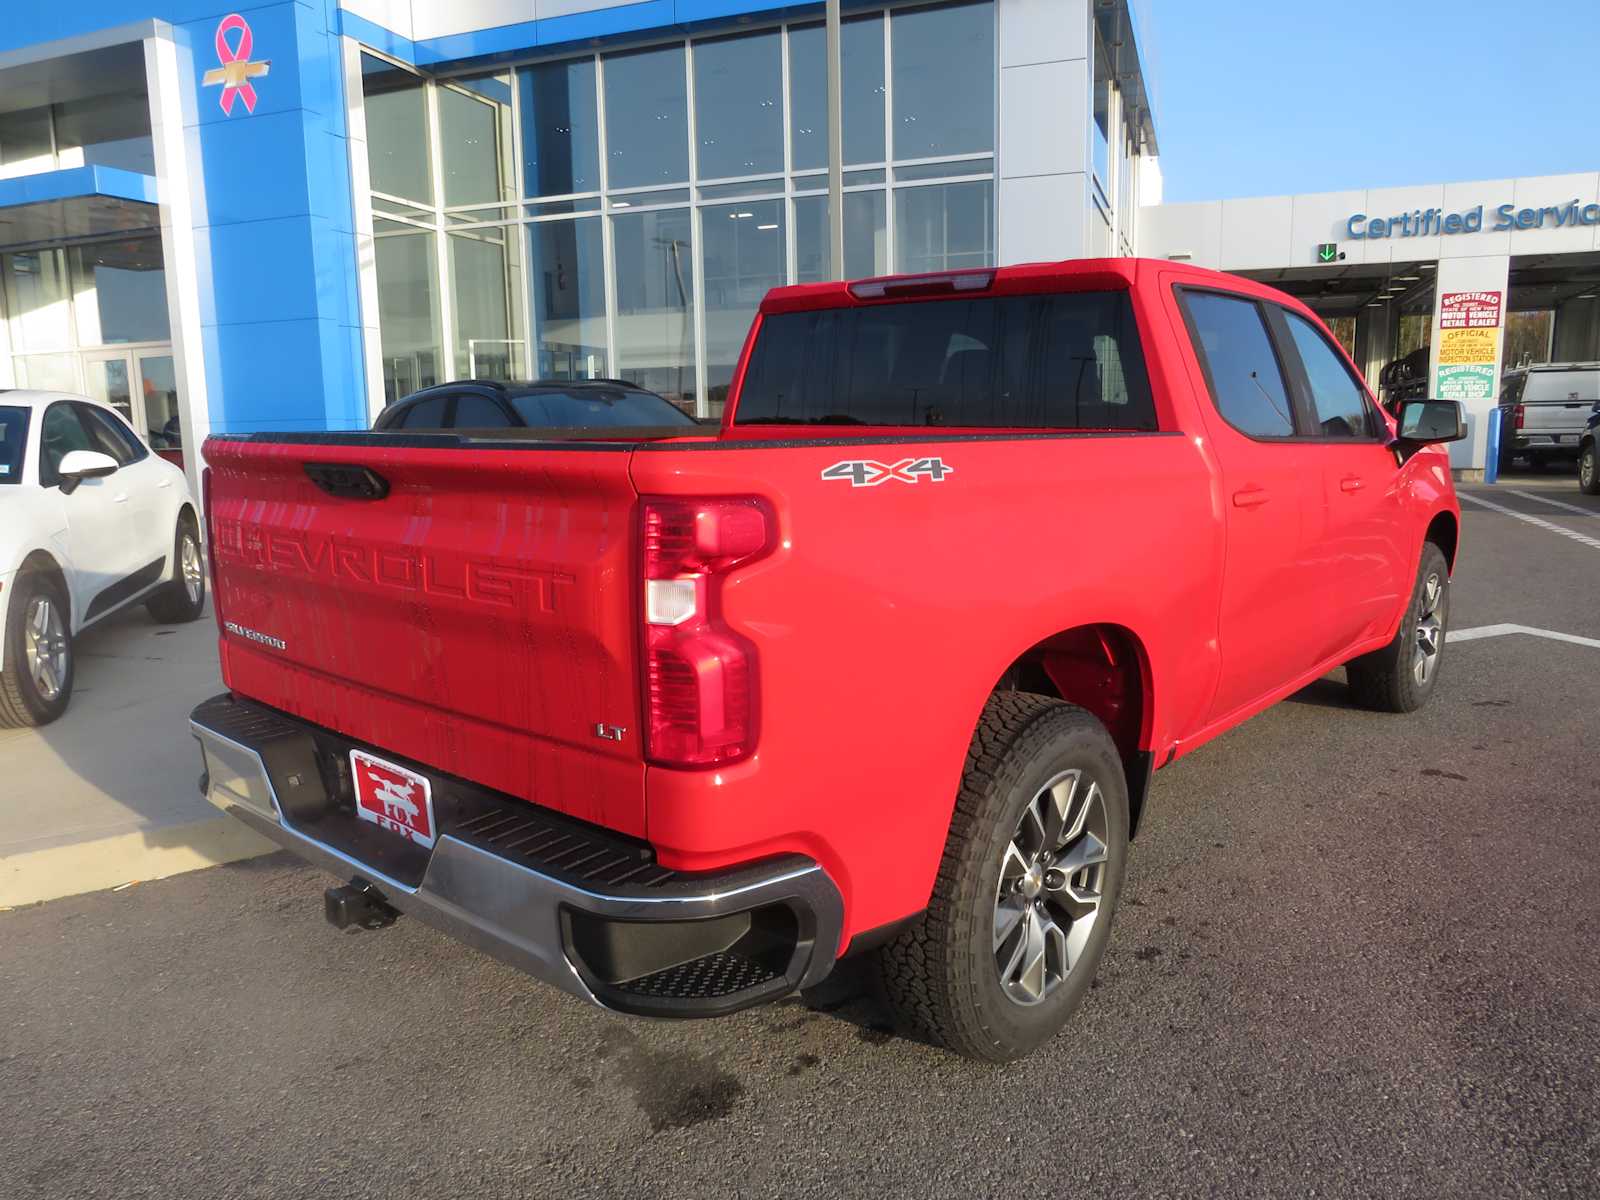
column 882, row 666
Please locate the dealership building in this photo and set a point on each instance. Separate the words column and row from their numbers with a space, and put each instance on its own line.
column 286, row 216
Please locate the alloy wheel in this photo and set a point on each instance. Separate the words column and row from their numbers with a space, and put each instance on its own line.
column 193, row 575
column 44, row 646
column 1052, row 879
column 1430, row 629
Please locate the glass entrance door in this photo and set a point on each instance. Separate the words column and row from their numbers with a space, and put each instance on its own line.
column 108, row 377
column 141, row 383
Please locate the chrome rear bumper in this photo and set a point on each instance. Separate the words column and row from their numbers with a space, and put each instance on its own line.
column 680, row 944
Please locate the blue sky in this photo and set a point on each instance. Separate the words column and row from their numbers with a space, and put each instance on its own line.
column 1264, row 97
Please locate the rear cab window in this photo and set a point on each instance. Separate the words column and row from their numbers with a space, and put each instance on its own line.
column 13, row 442
column 1047, row 362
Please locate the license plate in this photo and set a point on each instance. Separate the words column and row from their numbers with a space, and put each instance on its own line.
column 392, row 797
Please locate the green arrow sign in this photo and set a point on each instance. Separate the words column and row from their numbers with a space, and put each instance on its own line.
column 1328, row 252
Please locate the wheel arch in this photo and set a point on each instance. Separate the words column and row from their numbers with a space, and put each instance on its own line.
column 1444, row 531
column 35, row 562
column 1104, row 668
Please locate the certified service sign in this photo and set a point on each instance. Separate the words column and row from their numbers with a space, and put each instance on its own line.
column 236, row 70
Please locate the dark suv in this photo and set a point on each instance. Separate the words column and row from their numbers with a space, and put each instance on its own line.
column 545, row 404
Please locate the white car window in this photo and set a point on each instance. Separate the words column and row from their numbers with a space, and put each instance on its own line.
column 13, row 442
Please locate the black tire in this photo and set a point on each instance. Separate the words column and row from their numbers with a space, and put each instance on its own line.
column 22, row 702
column 176, row 603
column 1589, row 470
column 941, row 976
column 1397, row 678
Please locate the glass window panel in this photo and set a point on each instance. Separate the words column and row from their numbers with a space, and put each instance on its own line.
column 25, row 142
column 943, row 81
column 1102, row 113
column 866, row 237
column 37, row 300
column 738, row 105
column 478, row 412
column 111, row 131
column 645, row 199
column 753, row 187
column 944, row 227
column 60, row 434
column 1054, row 362
column 158, row 383
column 1340, row 402
column 743, row 245
column 109, row 382
column 424, row 414
column 647, row 129
column 861, row 47
column 567, row 280
column 486, row 291
column 654, row 256
column 560, row 129
column 397, row 131
column 475, row 139
column 48, row 372
column 13, row 441
column 408, row 312
column 120, row 292
column 1240, row 363
column 942, row 170
column 555, row 208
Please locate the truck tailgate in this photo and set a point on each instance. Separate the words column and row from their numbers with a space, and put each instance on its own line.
column 476, row 617
column 1556, row 416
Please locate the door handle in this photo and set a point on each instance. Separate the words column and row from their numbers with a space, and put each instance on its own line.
column 1352, row 483
column 120, row 498
column 1251, row 497
column 164, row 482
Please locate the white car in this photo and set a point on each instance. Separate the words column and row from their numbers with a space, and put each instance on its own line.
column 90, row 522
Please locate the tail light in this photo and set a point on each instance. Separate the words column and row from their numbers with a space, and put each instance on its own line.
column 700, row 676
column 1518, row 413
column 210, row 548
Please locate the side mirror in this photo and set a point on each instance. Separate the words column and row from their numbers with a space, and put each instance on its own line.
column 1430, row 422
column 78, row 465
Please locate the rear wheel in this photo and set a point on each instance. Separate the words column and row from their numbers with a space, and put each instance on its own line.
column 1589, row 471
column 184, row 598
column 36, row 683
column 1022, row 906
column 1401, row 676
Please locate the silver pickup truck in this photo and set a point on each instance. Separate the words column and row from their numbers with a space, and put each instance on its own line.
column 1544, row 410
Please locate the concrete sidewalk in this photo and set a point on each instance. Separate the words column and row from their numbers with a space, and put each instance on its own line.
column 107, row 795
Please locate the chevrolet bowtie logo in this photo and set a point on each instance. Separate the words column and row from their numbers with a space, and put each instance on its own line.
column 236, row 70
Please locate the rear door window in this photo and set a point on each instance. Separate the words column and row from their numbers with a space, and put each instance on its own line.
column 1069, row 361
column 1230, row 336
column 424, row 414
column 479, row 412
column 13, row 441
column 1338, row 401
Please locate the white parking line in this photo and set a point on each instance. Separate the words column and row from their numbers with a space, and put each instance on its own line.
column 1583, row 538
column 1489, row 631
column 1579, row 509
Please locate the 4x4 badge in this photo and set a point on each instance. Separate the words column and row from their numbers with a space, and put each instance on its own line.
column 862, row 472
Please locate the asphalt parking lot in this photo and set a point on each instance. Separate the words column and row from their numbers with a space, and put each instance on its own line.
column 1358, row 955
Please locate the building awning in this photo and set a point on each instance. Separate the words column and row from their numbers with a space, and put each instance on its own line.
column 79, row 202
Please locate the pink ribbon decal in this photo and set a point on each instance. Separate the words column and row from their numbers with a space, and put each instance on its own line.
column 236, row 69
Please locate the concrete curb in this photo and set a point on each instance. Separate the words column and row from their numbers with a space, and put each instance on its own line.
column 71, row 870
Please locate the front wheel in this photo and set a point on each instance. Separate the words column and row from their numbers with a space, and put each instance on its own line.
column 1400, row 677
column 1022, row 905
column 1589, row 471
column 184, row 598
